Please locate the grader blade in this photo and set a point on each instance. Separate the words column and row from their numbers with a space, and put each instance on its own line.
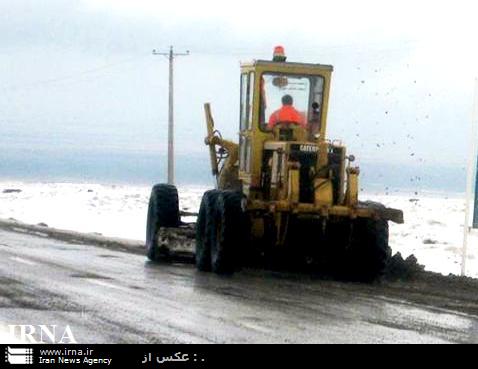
column 177, row 242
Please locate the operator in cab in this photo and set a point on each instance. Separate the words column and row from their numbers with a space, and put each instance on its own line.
column 287, row 113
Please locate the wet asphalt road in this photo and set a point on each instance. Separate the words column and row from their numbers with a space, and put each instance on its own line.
column 108, row 296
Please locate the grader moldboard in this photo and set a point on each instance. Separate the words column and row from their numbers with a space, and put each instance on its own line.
column 285, row 195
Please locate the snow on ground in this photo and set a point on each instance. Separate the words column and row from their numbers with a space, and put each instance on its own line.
column 433, row 229
column 111, row 210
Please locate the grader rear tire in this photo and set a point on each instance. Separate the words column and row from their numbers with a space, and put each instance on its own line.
column 369, row 251
column 163, row 211
column 228, row 234
column 204, row 229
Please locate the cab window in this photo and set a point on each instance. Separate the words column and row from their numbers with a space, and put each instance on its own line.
column 247, row 93
column 293, row 98
column 245, row 147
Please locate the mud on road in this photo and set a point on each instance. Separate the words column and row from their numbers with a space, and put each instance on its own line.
column 418, row 303
column 403, row 278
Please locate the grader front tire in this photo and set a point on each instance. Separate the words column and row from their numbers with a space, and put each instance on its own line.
column 163, row 211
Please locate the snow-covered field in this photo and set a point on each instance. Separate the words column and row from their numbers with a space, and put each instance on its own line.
column 433, row 229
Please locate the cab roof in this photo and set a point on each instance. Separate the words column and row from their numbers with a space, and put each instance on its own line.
column 273, row 64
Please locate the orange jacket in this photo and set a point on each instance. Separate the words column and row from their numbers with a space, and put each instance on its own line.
column 286, row 114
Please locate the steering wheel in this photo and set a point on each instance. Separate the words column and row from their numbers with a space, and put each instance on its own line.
column 289, row 131
column 284, row 131
column 287, row 124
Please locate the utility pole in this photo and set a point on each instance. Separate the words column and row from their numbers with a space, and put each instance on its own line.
column 171, row 55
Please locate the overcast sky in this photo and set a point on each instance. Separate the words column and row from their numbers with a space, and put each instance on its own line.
column 79, row 74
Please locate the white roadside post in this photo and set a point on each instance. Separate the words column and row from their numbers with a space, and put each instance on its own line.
column 470, row 180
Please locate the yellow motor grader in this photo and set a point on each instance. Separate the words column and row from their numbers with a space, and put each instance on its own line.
column 285, row 193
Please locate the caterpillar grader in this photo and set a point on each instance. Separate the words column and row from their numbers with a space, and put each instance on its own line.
column 285, row 194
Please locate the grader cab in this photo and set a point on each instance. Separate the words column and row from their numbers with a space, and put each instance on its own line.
column 284, row 193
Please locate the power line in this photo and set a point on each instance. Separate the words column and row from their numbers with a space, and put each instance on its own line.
column 381, row 47
column 75, row 76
